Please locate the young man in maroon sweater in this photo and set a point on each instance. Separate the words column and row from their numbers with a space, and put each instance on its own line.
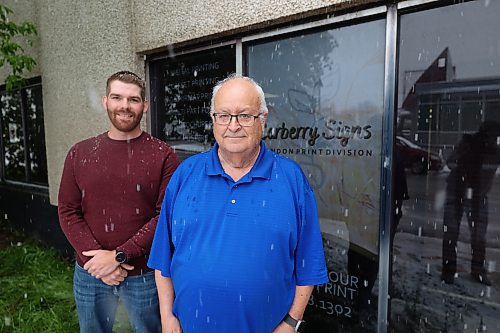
column 110, row 196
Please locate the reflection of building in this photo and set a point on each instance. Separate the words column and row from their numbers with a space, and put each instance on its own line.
column 439, row 109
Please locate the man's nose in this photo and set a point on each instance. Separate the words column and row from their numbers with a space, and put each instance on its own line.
column 234, row 125
column 124, row 103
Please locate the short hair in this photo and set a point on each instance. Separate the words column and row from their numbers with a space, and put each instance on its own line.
column 127, row 77
column 262, row 99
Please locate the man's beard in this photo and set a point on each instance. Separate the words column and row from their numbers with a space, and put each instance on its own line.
column 128, row 126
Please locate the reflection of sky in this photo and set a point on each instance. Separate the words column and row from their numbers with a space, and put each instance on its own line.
column 470, row 31
column 359, row 59
column 347, row 61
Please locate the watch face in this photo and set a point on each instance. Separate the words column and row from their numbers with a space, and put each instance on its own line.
column 120, row 257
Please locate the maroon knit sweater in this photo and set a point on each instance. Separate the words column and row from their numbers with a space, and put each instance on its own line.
column 111, row 193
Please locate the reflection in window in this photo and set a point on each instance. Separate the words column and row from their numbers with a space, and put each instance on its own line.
column 182, row 87
column 325, row 112
column 23, row 136
column 446, row 258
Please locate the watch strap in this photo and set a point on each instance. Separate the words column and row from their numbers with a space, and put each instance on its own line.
column 293, row 322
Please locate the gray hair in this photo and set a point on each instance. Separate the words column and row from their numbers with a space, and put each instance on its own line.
column 262, row 99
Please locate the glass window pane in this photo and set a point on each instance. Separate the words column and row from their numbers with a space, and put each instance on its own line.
column 182, row 90
column 446, row 258
column 325, row 112
column 36, row 135
column 13, row 136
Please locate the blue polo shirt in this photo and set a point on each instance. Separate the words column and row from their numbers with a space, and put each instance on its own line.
column 236, row 250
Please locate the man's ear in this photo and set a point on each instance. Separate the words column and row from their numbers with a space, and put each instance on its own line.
column 104, row 100
column 145, row 107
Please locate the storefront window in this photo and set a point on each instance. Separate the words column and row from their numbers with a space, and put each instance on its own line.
column 182, row 89
column 23, row 136
column 446, row 257
column 325, row 112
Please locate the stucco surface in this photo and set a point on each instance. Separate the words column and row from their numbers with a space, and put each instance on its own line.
column 161, row 23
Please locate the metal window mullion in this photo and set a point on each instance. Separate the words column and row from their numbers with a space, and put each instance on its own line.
column 239, row 57
column 386, row 167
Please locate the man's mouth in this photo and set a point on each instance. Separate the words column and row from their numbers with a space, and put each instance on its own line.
column 124, row 116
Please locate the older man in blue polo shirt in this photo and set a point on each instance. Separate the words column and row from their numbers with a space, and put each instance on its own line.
column 238, row 246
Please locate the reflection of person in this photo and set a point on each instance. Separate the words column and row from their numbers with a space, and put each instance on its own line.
column 109, row 201
column 238, row 245
column 473, row 165
column 400, row 192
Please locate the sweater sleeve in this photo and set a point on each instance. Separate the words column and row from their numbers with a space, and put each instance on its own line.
column 140, row 243
column 70, row 210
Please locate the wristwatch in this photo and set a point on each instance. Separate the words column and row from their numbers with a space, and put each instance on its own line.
column 298, row 325
column 120, row 257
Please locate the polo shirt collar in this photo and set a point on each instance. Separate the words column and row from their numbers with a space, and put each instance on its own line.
column 261, row 169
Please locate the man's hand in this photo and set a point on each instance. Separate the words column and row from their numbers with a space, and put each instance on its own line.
column 102, row 263
column 283, row 328
column 118, row 275
column 170, row 324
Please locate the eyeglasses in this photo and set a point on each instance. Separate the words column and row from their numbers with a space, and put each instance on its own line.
column 243, row 119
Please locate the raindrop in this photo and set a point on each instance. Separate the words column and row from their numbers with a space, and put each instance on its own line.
column 25, row 295
column 272, row 246
column 138, row 187
column 137, row 211
column 469, row 193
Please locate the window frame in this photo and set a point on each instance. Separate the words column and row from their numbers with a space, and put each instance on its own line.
column 27, row 182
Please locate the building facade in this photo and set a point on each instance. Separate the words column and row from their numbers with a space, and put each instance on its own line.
column 390, row 107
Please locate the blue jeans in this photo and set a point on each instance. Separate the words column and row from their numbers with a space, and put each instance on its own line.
column 96, row 302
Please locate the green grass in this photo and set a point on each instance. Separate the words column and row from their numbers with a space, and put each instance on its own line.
column 36, row 289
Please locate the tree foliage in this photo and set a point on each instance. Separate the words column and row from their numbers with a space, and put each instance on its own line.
column 11, row 53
